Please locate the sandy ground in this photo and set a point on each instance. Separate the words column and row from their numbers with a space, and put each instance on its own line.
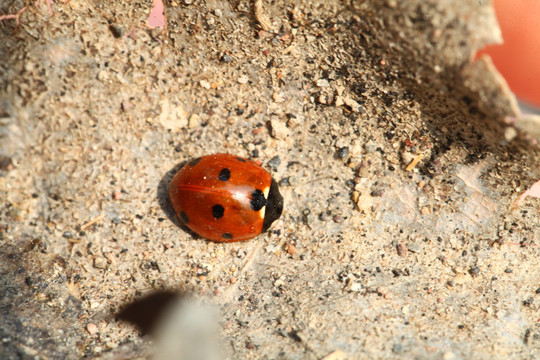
column 401, row 236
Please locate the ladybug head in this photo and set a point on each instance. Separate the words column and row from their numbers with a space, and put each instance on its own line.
column 274, row 206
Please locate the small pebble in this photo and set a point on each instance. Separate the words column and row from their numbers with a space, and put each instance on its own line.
column 401, row 249
column 323, row 216
column 293, row 180
column 353, row 105
column 307, row 218
column 449, row 355
column 323, row 99
column 291, row 249
column 92, row 328
column 205, row 84
column 406, row 310
column 336, row 355
column 226, row 58
column 116, row 31
column 194, row 121
column 355, row 287
column 343, row 152
column 510, row 133
column 100, row 263
column 125, row 105
column 6, row 163
column 279, row 129
column 338, row 219
column 355, row 196
column 274, row 162
column 528, row 302
column 323, row 83
column 475, row 270
column 298, row 336
column 370, row 147
column 397, row 348
column 413, row 248
column 363, row 172
column 377, row 193
column 461, row 279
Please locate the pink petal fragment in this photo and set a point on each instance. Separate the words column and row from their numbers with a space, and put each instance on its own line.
column 14, row 16
column 156, row 19
column 533, row 191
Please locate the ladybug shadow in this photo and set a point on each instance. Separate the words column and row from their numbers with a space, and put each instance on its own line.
column 146, row 312
column 165, row 202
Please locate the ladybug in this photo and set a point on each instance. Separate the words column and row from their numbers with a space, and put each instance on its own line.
column 225, row 198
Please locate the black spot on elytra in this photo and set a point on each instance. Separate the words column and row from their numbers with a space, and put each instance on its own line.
column 257, row 200
column 225, row 174
column 184, row 217
column 194, row 162
column 218, row 211
column 226, row 236
column 240, row 159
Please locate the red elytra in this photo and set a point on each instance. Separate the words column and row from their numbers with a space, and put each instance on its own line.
column 517, row 58
column 225, row 198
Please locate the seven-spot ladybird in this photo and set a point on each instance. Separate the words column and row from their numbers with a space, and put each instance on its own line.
column 225, row 198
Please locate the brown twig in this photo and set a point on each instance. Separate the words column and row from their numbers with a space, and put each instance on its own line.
column 260, row 16
column 92, row 222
